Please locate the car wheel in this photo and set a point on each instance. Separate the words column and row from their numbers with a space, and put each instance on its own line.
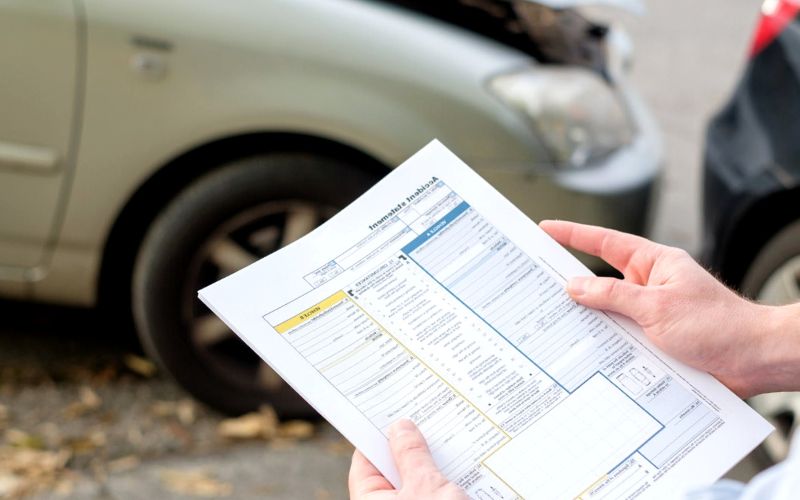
column 220, row 223
column 774, row 278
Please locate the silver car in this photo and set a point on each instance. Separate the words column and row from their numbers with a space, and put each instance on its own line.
column 149, row 148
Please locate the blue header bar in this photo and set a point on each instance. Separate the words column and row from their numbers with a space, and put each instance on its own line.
column 438, row 226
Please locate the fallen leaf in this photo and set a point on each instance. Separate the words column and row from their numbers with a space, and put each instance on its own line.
column 25, row 470
column 10, row 485
column 106, row 375
column 296, row 429
column 247, row 426
column 185, row 410
column 3, row 417
column 262, row 424
column 21, row 439
column 88, row 401
column 163, row 408
column 195, row 483
column 89, row 398
column 24, row 460
column 124, row 464
column 139, row 365
column 82, row 445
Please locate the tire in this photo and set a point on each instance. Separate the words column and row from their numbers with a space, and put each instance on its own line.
column 227, row 218
column 774, row 278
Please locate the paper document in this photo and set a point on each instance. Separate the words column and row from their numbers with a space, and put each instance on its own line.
column 433, row 298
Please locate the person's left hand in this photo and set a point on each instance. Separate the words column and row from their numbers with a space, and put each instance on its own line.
column 418, row 472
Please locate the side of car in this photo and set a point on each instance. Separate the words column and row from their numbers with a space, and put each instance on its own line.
column 196, row 137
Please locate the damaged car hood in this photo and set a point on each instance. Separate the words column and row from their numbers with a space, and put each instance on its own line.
column 551, row 31
column 635, row 6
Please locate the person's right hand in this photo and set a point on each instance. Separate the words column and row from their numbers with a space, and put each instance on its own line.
column 684, row 310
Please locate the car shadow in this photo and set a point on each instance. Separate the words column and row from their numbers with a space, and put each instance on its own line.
column 41, row 342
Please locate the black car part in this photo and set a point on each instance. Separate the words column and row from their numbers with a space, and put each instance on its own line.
column 556, row 36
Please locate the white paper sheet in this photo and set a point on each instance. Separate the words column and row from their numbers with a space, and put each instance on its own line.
column 432, row 297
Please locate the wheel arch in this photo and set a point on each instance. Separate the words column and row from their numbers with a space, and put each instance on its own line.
column 143, row 206
column 758, row 223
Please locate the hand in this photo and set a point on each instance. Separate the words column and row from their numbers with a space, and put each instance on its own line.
column 418, row 473
column 684, row 310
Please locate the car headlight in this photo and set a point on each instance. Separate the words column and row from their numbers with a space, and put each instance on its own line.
column 579, row 117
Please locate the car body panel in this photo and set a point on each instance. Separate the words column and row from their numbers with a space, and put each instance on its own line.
column 752, row 158
column 165, row 78
column 39, row 81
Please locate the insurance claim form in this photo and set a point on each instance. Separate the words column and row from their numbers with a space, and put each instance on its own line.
column 432, row 297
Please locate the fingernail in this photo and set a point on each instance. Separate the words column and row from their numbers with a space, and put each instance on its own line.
column 576, row 286
column 401, row 427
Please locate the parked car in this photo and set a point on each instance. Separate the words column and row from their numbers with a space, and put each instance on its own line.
column 149, row 148
column 752, row 186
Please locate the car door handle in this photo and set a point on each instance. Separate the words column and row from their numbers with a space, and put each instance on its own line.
column 24, row 157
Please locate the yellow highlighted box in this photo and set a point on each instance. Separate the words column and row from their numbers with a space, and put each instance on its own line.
column 311, row 312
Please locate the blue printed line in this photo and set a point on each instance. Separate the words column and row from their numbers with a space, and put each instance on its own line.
column 490, row 326
column 426, row 236
column 638, row 448
column 475, row 266
column 627, row 396
column 436, row 227
column 645, row 456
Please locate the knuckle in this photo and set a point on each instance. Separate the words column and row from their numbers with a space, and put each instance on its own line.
column 411, row 445
column 660, row 301
column 612, row 288
column 416, row 460
column 679, row 253
column 428, row 481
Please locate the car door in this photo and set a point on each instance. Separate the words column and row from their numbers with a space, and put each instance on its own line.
column 40, row 45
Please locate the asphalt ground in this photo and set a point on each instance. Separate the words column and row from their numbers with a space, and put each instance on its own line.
column 66, row 382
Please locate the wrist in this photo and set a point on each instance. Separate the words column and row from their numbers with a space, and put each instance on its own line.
column 775, row 362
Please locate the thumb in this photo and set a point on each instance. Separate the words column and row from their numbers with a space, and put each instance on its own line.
column 608, row 294
column 410, row 452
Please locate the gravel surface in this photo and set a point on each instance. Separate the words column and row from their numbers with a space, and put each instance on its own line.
column 82, row 417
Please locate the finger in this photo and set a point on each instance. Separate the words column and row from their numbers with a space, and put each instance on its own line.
column 410, row 451
column 608, row 294
column 614, row 247
column 364, row 478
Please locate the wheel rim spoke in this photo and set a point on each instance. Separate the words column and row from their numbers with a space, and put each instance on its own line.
column 789, row 276
column 229, row 256
column 237, row 243
column 209, row 330
column 267, row 376
column 265, row 239
column 300, row 221
column 782, row 287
